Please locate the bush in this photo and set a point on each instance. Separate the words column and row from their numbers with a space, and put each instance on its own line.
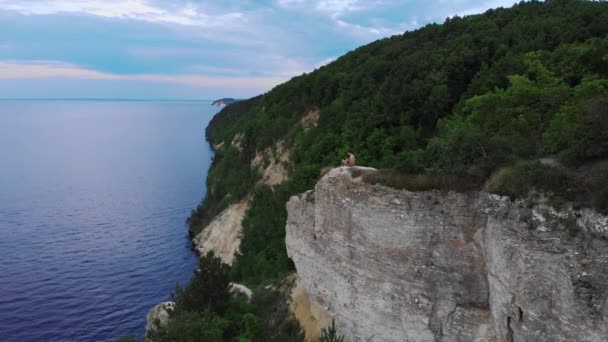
column 207, row 290
column 191, row 327
column 518, row 180
column 279, row 324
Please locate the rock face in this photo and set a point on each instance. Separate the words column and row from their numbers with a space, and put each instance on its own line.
column 158, row 316
column 394, row 265
column 312, row 318
column 222, row 235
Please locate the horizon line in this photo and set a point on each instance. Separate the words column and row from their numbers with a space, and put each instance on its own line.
column 103, row 99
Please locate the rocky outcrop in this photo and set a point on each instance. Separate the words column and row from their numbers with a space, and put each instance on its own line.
column 272, row 164
column 395, row 265
column 158, row 316
column 310, row 119
column 237, row 141
column 223, row 234
column 240, row 290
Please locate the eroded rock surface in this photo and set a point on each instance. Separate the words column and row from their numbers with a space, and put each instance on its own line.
column 395, row 265
column 272, row 164
column 222, row 235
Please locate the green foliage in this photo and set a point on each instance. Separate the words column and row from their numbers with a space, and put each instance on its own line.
column 191, row 327
column 262, row 254
column 499, row 126
column 207, row 290
column 278, row 324
column 579, row 129
column 516, row 181
column 245, row 320
column 200, row 306
column 330, row 334
column 206, row 311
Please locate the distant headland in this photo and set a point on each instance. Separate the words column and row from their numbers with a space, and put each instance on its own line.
column 224, row 102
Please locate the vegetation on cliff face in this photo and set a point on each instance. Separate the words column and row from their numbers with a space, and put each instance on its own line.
column 205, row 310
column 473, row 97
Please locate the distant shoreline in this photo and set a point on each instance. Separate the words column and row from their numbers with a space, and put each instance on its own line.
column 104, row 100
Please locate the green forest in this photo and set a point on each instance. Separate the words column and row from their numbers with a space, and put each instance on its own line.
column 509, row 100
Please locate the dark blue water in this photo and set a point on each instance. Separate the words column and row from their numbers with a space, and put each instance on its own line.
column 93, row 199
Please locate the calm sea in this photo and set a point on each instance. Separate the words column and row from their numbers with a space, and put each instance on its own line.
column 93, row 200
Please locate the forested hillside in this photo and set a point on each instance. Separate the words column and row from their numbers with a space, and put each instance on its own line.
column 510, row 100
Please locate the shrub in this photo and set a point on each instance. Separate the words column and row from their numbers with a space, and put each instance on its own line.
column 279, row 323
column 517, row 181
column 208, row 289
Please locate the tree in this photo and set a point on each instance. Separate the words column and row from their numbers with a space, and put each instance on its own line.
column 207, row 291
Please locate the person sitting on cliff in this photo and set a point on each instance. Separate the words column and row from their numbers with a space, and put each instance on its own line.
column 350, row 159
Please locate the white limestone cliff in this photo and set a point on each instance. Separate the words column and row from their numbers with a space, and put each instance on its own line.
column 395, row 265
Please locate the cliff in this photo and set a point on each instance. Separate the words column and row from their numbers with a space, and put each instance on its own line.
column 395, row 265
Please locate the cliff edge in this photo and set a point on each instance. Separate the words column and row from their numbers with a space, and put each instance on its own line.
column 395, row 265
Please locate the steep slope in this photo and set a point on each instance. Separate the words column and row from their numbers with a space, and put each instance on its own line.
column 395, row 265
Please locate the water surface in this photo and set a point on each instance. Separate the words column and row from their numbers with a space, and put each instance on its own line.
column 93, row 198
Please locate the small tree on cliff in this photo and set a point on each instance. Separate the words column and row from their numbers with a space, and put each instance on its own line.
column 330, row 334
column 207, row 291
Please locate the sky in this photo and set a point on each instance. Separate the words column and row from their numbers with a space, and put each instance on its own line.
column 187, row 49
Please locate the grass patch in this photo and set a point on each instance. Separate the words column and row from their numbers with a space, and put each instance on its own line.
column 586, row 186
column 423, row 182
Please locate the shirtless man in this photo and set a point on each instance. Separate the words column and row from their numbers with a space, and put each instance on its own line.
column 350, row 159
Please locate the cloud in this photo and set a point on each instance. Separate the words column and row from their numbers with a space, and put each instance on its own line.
column 334, row 8
column 339, row 11
column 482, row 7
column 188, row 15
column 13, row 70
column 325, row 62
column 198, row 44
column 338, row 7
